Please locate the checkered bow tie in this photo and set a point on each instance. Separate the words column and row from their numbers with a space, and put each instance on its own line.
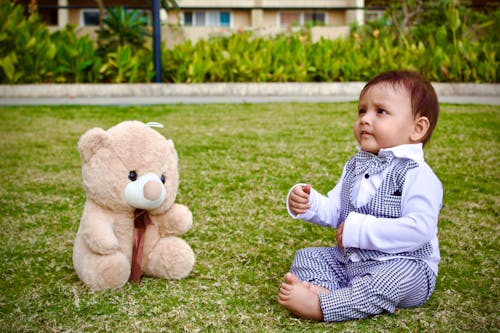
column 368, row 163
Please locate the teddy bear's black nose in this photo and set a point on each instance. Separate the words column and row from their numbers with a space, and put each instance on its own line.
column 132, row 175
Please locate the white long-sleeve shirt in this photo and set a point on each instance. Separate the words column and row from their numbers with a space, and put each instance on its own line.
column 421, row 201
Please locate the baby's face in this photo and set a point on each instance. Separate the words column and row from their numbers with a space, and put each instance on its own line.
column 385, row 118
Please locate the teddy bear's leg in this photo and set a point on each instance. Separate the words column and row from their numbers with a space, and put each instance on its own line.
column 102, row 271
column 170, row 258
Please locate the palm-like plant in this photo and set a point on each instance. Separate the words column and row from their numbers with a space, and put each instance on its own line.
column 166, row 4
column 123, row 27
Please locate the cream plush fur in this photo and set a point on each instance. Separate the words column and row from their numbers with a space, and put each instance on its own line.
column 103, row 245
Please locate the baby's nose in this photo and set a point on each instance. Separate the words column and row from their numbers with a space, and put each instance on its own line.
column 366, row 118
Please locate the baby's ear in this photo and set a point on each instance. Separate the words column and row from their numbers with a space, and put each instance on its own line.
column 420, row 128
column 90, row 142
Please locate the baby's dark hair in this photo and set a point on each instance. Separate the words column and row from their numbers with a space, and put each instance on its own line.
column 424, row 101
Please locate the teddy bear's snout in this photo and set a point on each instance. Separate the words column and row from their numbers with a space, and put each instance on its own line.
column 146, row 192
column 152, row 190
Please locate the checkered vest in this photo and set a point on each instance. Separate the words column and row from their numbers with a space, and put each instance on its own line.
column 385, row 203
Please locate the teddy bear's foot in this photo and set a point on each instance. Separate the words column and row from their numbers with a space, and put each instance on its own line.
column 104, row 272
column 171, row 258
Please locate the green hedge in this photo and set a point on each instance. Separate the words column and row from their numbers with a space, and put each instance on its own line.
column 29, row 53
column 450, row 51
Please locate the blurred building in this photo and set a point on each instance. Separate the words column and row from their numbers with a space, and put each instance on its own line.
column 196, row 19
column 201, row 18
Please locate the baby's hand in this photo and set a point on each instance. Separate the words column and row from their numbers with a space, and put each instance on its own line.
column 338, row 236
column 299, row 199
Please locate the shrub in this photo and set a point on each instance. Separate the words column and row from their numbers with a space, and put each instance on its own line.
column 29, row 53
column 26, row 51
column 445, row 42
column 76, row 58
column 122, row 27
column 442, row 52
column 126, row 66
column 461, row 45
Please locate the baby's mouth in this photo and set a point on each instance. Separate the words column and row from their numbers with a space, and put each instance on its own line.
column 366, row 133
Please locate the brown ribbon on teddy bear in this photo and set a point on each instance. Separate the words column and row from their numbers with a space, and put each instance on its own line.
column 141, row 221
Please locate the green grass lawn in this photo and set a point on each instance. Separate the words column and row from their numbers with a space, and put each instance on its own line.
column 236, row 163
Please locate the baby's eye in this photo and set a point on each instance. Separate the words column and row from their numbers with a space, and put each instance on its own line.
column 361, row 111
column 381, row 111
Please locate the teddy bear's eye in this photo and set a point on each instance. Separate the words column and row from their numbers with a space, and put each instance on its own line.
column 132, row 175
column 162, row 178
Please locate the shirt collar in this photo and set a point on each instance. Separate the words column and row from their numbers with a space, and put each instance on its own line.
column 413, row 151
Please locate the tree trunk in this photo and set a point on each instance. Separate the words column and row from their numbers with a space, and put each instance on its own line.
column 102, row 13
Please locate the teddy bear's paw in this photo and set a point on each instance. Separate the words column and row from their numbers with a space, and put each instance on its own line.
column 102, row 245
column 117, row 274
column 177, row 221
column 171, row 258
column 105, row 272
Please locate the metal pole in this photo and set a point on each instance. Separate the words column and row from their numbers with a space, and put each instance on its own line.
column 156, row 40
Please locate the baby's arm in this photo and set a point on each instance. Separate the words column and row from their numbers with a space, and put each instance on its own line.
column 421, row 202
column 305, row 203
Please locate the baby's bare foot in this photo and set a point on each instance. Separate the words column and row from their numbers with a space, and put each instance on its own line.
column 316, row 289
column 299, row 299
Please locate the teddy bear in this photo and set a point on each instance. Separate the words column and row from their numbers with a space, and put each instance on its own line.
column 130, row 222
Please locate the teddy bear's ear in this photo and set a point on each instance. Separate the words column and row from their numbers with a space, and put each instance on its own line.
column 91, row 142
column 171, row 147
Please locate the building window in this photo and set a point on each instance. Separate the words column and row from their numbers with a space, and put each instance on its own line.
column 314, row 18
column 199, row 19
column 89, row 17
column 225, row 19
column 188, row 19
column 206, row 19
column 289, row 19
column 372, row 15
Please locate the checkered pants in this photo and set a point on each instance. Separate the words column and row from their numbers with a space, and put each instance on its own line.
column 364, row 288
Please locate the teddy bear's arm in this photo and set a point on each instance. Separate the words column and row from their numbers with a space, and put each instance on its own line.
column 176, row 221
column 96, row 228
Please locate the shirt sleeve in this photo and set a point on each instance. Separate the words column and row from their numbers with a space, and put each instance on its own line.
column 421, row 202
column 325, row 210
